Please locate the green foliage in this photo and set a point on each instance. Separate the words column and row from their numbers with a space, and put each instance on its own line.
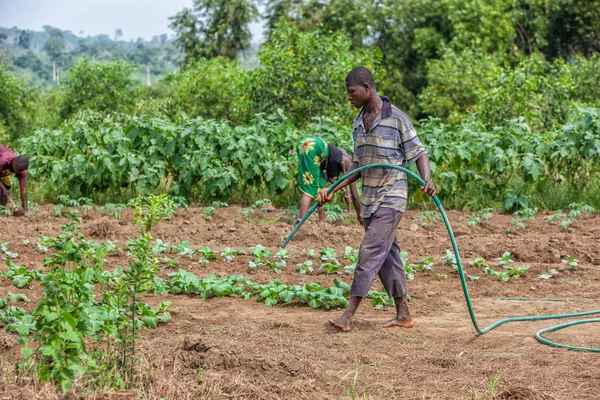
column 312, row 294
column 571, row 261
column 212, row 89
column 455, row 82
column 428, row 218
column 14, row 102
column 102, row 86
column 303, row 72
column 207, row 213
column 149, row 211
column 534, row 90
column 305, row 267
column 214, row 28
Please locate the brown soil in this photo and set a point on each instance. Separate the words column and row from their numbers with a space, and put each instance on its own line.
column 234, row 348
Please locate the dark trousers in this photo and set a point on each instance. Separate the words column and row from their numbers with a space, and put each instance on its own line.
column 3, row 198
column 379, row 254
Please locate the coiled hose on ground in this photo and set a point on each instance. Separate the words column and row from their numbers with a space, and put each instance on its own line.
column 463, row 281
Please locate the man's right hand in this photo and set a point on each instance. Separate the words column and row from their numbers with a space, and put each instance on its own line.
column 323, row 198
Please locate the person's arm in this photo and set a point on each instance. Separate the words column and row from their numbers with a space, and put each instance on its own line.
column 323, row 198
column 23, row 189
column 355, row 199
column 425, row 171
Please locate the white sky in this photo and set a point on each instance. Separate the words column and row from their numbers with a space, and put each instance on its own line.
column 137, row 18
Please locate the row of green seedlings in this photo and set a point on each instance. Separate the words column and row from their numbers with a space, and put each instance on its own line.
column 78, row 337
column 519, row 220
column 70, row 208
column 312, row 294
column 506, row 263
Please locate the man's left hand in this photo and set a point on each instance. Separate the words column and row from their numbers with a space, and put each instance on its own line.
column 429, row 188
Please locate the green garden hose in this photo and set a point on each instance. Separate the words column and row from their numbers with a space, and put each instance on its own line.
column 463, row 281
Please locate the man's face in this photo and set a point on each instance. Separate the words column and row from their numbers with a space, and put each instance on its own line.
column 357, row 94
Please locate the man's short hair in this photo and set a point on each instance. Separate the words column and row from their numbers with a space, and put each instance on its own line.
column 21, row 162
column 360, row 76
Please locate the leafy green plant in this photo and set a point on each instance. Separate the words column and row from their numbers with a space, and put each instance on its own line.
column 21, row 276
column 219, row 204
column 263, row 204
column 305, row 267
column 550, row 274
column 571, row 261
column 260, row 253
column 207, row 253
column 114, row 210
column 208, row 213
column 5, row 210
column 160, row 247
column 505, row 260
column 230, row 254
column 428, row 218
column 409, row 271
column 482, row 215
column 248, row 214
column 478, row 262
column 335, row 213
column 183, row 249
column 309, row 252
column 425, row 265
column 450, row 259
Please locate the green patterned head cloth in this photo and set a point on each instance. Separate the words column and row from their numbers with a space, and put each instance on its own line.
column 312, row 152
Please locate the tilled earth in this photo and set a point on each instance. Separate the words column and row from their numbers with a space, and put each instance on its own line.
column 235, row 348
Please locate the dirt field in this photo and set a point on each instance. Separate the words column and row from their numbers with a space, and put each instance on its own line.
column 234, row 348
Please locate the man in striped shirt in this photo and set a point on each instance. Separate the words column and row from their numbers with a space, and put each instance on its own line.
column 382, row 134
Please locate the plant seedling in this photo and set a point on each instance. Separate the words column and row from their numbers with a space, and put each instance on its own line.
column 550, row 274
column 309, row 252
column 263, row 204
column 208, row 213
column 247, row 213
column 207, row 253
column 572, row 261
column 427, row 218
column 329, row 268
column 409, row 271
column 450, row 259
column 230, row 254
column 426, row 264
column 305, row 267
column 478, row 262
column 505, row 260
column 282, row 254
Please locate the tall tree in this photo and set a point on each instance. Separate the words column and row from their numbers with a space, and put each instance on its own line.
column 55, row 48
column 24, row 40
column 214, row 28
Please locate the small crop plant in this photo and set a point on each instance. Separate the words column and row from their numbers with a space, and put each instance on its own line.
column 571, row 261
column 208, row 213
column 428, row 218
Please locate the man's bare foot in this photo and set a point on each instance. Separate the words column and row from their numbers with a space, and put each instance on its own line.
column 342, row 323
column 402, row 323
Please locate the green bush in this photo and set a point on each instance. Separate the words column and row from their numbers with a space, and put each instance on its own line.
column 303, row 74
column 103, row 86
column 211, row 89
column 456, row 81
column 14, row 102
column 584, row 74
column 535, row 90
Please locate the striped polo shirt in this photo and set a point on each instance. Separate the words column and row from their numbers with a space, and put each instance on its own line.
column 391, row 140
